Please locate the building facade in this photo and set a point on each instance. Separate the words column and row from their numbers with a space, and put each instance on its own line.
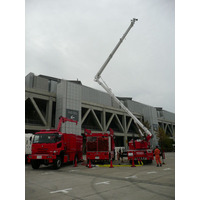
column 48, row 98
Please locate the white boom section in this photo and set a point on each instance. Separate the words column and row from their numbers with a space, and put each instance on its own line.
column 108, row 90
column 124, row 107
column 114, row 50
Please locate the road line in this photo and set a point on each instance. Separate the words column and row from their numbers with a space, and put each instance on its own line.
column 167, row 169
column 131, row 177
column 153, row 172
column 105, row 182
column 63, row 191
column 73, row 170
column 46, row 173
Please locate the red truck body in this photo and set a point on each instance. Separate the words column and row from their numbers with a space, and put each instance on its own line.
column 55, row 147
column 99, row 146
column 140, row 150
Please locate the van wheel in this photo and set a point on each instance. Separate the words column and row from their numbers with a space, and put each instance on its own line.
column 57, row 163
column 35, row 164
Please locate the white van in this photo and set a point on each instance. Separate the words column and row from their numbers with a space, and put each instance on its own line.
column 28, row 144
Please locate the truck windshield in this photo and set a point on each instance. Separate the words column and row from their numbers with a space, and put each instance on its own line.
column 47, row 138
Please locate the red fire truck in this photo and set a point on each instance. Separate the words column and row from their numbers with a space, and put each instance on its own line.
column 140, row 150
column 99, row 146
column 55, row 147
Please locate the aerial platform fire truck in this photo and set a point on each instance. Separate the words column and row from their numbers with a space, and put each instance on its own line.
column 99, row 146
column 55, row 147
column 138, row 149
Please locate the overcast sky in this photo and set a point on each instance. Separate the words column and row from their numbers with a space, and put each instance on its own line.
column 71, row 39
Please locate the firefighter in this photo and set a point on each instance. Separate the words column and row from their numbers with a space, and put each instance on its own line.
column 157, row 156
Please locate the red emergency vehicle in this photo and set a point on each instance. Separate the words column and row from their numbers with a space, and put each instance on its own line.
column 55, row 147
column 99, row 146
column 140, row 150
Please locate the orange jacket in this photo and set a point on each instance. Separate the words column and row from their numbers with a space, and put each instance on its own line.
column 157, row 152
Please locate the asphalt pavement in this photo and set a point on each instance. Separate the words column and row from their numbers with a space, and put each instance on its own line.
column 101, row 182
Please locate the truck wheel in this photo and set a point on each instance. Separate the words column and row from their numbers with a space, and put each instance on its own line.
column 35, row 164
column 57, row 163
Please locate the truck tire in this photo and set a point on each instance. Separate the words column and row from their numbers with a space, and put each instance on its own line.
column 57, row 163
column 35, row 164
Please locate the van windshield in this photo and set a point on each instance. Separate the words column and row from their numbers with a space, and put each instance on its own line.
column 47, row 138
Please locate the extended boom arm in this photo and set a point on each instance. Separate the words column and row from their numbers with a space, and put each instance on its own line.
column 98, row 76
column 63, row 120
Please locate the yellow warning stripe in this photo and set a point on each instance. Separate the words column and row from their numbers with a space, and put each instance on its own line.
column 118, row 165
column 139, row 165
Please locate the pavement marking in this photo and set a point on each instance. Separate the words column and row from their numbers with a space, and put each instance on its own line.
column 114, row 165
column 131, row 176
column 153, row 172
column 46, row 173
column 167, row 169
column 63, row 191
column 118, row 165
column 73, row 170
column 105, row 182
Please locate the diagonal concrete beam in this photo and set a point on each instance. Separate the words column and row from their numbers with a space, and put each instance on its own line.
column 85, row 115
column 97, row 120
column 128, row 126
column 169, row 127
column 120, row 125
column 38, row 111
column 26, row 97
column 110, row 120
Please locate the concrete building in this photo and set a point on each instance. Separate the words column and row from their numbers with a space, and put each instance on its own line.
column 47, row 98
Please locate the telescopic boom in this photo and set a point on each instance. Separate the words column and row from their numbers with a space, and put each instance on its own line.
column 98, row 76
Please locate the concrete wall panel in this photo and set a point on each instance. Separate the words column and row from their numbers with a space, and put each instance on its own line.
column 40, row 83
column 69, row 97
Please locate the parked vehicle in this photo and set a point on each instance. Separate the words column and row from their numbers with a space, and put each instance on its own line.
column 139, row 149
column 99, row 146
column 28, row 144
column 55, row 147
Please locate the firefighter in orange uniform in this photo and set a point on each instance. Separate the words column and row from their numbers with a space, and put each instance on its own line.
column 157, row 156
